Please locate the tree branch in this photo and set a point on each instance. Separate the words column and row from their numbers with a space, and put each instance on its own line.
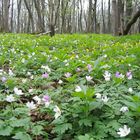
column 131, row 22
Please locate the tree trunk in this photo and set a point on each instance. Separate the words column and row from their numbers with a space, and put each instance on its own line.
column 103, row 23
column 114, row 17
column 109, row 17
column 30, row 14
column 18, row 15
column 73, row 17
column 57, row 12
column 95, row 14
column 64, row 6
column 43, row 12
column 89, row 22
column 131, row 22
column 139, row 25
column 119, row 12
column 40, row 21
column 6, row 4
column 128, row 10
column 11, row 22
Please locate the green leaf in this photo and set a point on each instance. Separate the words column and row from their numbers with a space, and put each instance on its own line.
column 37, row 130
column 93, row 105
column 61, row 129
column 21, row 111
column 97, row 62
column 19, row 122
column 85, row 137
column 22, row 136
column 11, row 83
column 5, row 130
column 85, row 122
column 86, row 93
column 113, row 124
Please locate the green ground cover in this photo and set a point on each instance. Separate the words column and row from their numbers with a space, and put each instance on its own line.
column 81, row 87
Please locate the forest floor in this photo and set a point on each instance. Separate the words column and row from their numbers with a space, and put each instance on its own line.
column 81, row 87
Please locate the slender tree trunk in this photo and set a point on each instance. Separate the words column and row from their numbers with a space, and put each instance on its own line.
column 95, row 16
column 40, row 21
column 30, row 14
column 128, row 10
column 11, row 22
column 43, row 12
column 1, row 19
column 57, row 13
column 18, row 14
column 28, row 23
column 114, row 17
column 109, row 18
column 51, row 23
column 89, row 22
column 73, row 17
column 139, row 25
column 80, row 18
column 64, row 6
column 121, row 17
column 6, row 5
column 103, row 28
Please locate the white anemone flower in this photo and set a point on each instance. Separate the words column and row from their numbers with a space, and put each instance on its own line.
column 67, row 64
column 30, row 90
column 107, row 76
column 57, row 112
column 1, row 71
column 11, row 73
column 88, row 78
column 18, row 91
column 47, row 104
column 32, row 77
column 121, row 76
column 124, row 109
column 123, row 131
column 60, row 82
column 78, row 89
column 31, row 105
column 46, row 68
column 24, row 81
column 104, row 98
column 98, row 95
column 29, row 73
column 10, row 98
column 68, row 74
column 105, row 56
column 23, row 60
column 130, row 90
column 37, row 99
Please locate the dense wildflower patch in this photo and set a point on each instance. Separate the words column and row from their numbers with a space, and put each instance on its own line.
column 69, row 87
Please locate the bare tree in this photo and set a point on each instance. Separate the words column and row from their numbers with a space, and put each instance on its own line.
column 18, row 14
column 39, row 15
column 109, row 17
column 89, row 24
column 95, row 17
column 103, row 17
column 30, row 14
column 6, row 5
column 120, row 16
column 128, row 10
column 64, row 6
column 131, row 22
column 114, row 17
